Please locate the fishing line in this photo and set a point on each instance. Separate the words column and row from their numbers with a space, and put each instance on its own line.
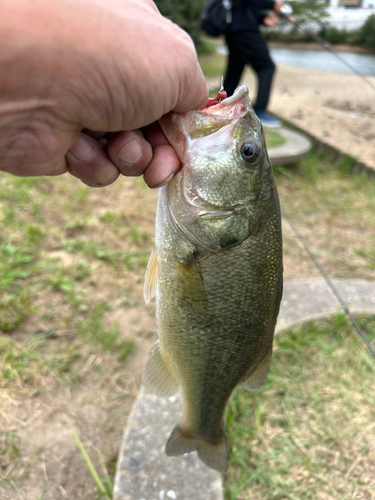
column 285, row 12
column 342, row 302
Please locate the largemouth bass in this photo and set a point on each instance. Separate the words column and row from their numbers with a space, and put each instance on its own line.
column 216, row 271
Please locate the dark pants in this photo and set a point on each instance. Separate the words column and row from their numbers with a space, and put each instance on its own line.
column 248, row 47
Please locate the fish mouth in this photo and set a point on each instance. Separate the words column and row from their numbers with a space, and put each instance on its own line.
column 238, row 94
column 238, row 103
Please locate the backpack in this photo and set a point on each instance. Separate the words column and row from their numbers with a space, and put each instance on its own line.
column 216, row 17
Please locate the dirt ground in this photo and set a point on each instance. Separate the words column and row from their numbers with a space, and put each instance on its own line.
column 41, row 404
column 336, row 108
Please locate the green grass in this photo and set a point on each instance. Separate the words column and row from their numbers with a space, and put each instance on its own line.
column 62, row 300
column 17, row 265
column 93, row 328
column 334, row 212
column 310, row 433
column 273, row 139
column 9, row 447
column 105, row 485
column 26, row 240
column 368, row 255
column 24, row 365
column 213, row 65
column 206, row 46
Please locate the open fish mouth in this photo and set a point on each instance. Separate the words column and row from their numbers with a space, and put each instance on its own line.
column 230, row 107
column 238, row 94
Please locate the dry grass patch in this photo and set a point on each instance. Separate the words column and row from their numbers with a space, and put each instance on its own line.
column 333, row 210
column 74, row 332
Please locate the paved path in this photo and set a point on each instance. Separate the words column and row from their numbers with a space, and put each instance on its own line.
column 144, row 472
column 338, row 109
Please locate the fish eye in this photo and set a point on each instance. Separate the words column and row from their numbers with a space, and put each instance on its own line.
column 249, row 151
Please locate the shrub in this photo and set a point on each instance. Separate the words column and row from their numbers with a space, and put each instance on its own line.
column 186, row 14
column 309, row 13
column 366, row 34
column 333, row 35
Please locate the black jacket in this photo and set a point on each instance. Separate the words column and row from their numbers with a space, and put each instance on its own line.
column 248, row 14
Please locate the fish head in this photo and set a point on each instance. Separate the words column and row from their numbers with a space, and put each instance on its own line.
column 214, row 199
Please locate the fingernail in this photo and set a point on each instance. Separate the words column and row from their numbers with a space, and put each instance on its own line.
column 130, row 153
column 83, row 149
column 165, row 181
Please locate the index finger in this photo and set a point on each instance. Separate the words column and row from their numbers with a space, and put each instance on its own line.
column 193, row 88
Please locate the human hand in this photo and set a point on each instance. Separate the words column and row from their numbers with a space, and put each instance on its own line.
column 277, row 6
column 79, row 79
column 271, row 19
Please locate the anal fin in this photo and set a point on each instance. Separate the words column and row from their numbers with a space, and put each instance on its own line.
column 158, row 377
column 258, row 377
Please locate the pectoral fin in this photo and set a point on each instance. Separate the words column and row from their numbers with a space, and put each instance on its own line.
column 189, row 282
column 258, row 377
column 158, row 377
column 151, row 277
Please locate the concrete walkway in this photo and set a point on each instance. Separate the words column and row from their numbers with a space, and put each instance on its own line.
column 338, row 109
column 144, row 472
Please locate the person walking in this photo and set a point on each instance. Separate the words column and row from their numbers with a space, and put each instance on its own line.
column 246, row 46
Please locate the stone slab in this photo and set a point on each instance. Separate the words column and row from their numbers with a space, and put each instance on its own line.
column 144, row 472
column 306, row 300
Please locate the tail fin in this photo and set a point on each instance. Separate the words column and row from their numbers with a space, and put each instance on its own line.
column 215, row 455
